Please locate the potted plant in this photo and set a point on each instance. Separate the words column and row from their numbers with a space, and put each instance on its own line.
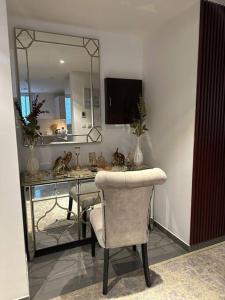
column 139, row 128
column 31, row 131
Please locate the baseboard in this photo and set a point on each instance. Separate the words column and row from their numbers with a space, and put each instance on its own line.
column 184, row 245
column 24, row 298
column 172, row 236
column 207, row 243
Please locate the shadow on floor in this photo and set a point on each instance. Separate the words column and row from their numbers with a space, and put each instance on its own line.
column 64, row 272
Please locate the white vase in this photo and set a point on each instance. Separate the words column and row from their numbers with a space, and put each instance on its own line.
column 138, row 155
column 32, row 162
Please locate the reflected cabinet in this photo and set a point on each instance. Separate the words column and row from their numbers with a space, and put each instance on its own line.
column 64, row 71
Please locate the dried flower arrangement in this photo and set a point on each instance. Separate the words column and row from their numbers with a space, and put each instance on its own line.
column 30, row 123
column 138, row 125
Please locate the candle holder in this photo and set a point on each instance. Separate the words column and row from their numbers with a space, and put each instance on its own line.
column 77, row 153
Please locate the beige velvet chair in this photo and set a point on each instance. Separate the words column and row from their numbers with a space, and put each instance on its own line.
column 123, row 218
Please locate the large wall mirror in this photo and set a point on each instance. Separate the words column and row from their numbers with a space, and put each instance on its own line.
column 64, row 71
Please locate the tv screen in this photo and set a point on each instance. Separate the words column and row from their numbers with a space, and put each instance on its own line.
column 121, row 98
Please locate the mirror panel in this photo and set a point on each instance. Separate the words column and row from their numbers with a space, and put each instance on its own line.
column 96, row 92
column 63, row 71
column 58, row 38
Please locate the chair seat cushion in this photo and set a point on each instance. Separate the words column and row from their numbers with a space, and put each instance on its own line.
column 97, row 224
column 86, row 200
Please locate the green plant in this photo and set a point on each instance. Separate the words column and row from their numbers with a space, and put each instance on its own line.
column 138, row 125
column 30, row 122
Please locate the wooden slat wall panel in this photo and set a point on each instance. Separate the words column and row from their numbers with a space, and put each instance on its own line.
column 208, row 187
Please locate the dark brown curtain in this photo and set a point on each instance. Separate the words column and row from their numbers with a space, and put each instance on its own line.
column 208, row 189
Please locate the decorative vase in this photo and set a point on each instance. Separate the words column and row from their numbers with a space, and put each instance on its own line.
column 138, row 155
column 32, row 162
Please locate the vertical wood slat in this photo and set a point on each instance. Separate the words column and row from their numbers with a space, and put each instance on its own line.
column 208, row 186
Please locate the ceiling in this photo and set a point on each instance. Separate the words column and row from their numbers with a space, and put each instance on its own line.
column 135, row 16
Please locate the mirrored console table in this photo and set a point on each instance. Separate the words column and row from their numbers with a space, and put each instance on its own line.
column 45, row 199
column 46, row 204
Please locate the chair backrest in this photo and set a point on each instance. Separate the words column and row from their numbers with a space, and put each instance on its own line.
column 126, row 201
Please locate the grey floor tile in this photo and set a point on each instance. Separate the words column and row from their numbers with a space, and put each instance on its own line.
column 66, row 271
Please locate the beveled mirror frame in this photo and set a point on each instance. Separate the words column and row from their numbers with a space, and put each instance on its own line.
column 94, row 135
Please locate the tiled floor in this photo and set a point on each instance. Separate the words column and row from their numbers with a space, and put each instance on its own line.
column 64, row 272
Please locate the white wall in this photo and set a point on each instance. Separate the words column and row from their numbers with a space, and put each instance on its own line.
column 120, row 56
column 170, row 75
column 13, row 269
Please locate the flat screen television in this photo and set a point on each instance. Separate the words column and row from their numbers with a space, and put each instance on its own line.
column 121, row 98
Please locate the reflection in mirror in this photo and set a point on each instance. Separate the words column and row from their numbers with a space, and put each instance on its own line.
column 96, row 95
column 63, row 70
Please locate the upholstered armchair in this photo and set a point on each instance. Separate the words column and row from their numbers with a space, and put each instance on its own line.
column 123, row 217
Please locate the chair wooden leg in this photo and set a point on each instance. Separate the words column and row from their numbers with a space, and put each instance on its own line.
column 92, row 242
column 134, row 248
column 70, row 208
column 144, row 251
column 84, row 218
column 106, row 271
